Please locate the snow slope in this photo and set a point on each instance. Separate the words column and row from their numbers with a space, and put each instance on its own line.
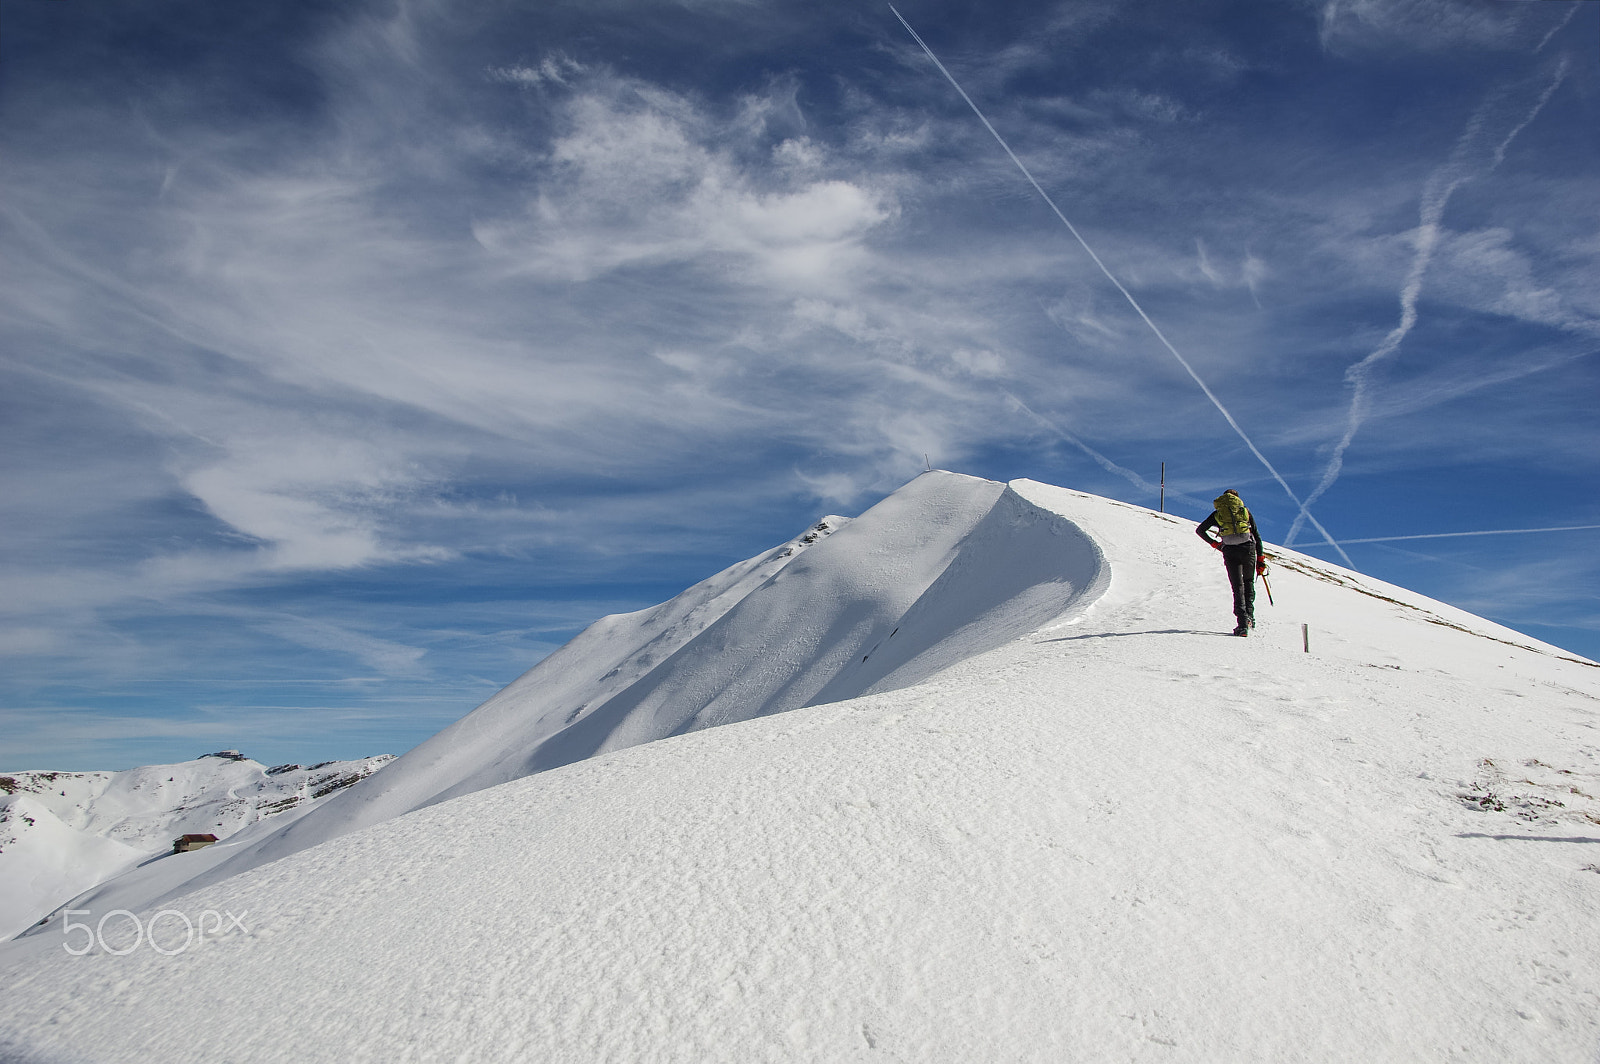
column 62, row 833
column 944, row 568
column 44, row 860
column 1116, row 834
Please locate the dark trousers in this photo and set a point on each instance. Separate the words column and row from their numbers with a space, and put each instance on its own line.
column 1241, row 562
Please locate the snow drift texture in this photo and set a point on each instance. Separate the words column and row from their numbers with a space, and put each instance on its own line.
column 947, row 567
column 1119, row 835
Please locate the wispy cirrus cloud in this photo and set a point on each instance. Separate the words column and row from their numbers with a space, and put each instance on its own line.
column 637, row 184
column 408, row 323
column 1429, row 25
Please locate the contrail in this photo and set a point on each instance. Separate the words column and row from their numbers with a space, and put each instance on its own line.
column 1436, row 193
column 1572, row 9
column 1304, row 514
column 1489, row 532
column 1099, row 459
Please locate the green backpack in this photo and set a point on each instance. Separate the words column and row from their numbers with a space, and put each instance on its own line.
column 1232, row 517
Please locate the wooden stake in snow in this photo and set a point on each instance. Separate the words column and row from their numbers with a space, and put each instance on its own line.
column 1305, row 636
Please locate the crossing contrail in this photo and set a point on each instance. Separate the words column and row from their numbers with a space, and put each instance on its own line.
column 1488, row 532
column 1436, row 193
column 1099, row 459
column 1304, row 514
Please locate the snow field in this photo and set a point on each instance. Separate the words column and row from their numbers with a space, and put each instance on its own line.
column 43, row 860
column 1122, row 836
column 946, row 567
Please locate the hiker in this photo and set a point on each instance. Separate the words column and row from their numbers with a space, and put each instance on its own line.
column 1240, row 544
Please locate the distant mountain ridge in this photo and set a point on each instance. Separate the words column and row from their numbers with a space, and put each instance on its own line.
column 64, row 832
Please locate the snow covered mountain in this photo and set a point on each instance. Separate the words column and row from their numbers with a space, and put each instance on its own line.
column 64, row 832
column 975, row 776
column 945, row 568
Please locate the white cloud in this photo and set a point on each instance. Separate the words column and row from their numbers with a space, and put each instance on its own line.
column 305, row 497
column 382, row 655
column 982, row 363
column 1487, row 269
column 552, row 70
column 642, row 178
column 1149, row 106
column 1083, row 317
column 800, row 156
column 840, row 488
column 1206, row 267
column 1424, row 25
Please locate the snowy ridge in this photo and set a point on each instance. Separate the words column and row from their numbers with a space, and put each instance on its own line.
column 946, row 567
column 64, row 832
column 1118, row 835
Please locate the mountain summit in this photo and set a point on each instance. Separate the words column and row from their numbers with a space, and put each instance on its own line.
column 945, row 568
column 977, row 775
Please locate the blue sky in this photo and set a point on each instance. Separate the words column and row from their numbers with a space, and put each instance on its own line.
column 354, row 356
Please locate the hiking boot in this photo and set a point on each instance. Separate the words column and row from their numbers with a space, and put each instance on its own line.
column 1241, row 631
